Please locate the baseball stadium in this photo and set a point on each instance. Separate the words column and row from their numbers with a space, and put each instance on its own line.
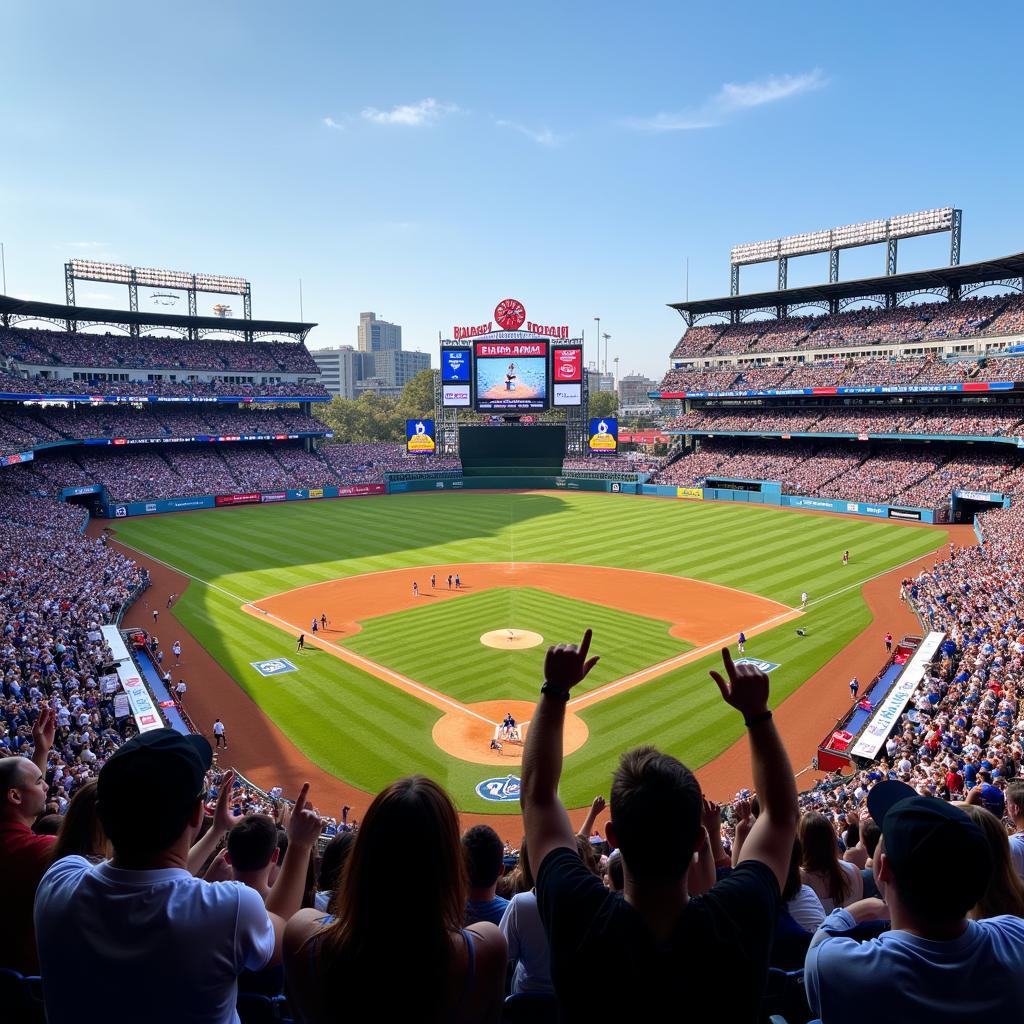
column 837, row 464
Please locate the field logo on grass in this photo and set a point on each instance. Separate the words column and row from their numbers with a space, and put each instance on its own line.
column 273, row 667
column 499, row 790
column 764, row 666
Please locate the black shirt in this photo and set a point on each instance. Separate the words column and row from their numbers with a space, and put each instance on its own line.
column 603, row 954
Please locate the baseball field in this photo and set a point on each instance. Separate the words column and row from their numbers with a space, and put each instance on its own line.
column 400, row 681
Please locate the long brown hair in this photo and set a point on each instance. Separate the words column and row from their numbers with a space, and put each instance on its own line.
column 1005, row 892
column 81, row 831
column 821, row 855
column 401, row 896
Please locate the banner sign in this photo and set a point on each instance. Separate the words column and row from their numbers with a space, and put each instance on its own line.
column 144, row 711
column 880, row 389
column 354, row 490
column 13, row 460
column 273, row 496
column 696, row 493
column 504, row 349
column 419, row 437
column 15, row 396
column 889, row 710
column 604, row 436
column 203, row 438
column 993, row 496
column 237, row 499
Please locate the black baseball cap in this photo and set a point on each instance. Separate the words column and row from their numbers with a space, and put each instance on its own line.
column 939, row 856
column 148, row 788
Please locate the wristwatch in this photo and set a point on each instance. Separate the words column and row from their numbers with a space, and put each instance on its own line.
column 764, row 716
column 550, row 690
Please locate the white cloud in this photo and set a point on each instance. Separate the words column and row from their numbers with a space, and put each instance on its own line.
column 411, row 115
column 543, row 137
column 329, row 122
column 733, row 98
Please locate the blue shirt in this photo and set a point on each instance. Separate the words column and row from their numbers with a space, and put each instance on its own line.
column 485, row 910
column 898, row 977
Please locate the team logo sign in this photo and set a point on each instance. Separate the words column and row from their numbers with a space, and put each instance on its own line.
column 273, row 667
column 499, row 790
column 419, row 437
column 510, row 314
column 764, row 666
column 604, row 435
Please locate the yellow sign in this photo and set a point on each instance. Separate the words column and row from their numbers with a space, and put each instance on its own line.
column 421, row 443
column 316, row 492
column 696, row 493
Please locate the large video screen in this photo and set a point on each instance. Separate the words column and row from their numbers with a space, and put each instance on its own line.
column 511, row 376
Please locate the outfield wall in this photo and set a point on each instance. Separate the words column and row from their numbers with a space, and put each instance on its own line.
column 749, row 492
column 771, row 494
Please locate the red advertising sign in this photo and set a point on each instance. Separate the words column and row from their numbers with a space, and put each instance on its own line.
column 236, row 499
column 356, row 489
column 519, row 349
column 567, row 365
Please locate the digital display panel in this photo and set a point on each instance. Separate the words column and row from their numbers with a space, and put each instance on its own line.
column 511, row 376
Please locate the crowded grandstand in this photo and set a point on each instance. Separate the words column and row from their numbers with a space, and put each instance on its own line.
column 94, row 796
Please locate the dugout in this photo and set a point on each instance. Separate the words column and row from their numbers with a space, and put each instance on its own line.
column 512, row 450
column 965, row 505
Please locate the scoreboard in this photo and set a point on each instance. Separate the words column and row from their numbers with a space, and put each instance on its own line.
column 512, row 371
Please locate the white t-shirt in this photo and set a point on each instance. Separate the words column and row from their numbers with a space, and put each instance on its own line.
column 805, row 908
column 527, row 944
column 157, row 946
column 218, row 728
column 1017, row 853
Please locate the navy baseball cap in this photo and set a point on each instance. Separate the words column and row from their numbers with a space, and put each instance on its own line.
column 148, row 788
column 939, row 856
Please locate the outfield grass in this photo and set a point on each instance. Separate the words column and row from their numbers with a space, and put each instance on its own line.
column 440, row 645
column 369, row 733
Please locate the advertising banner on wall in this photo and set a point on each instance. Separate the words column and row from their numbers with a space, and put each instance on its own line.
column 694, row 493
column 604, row 436
column 419, row 437
column 237, row 499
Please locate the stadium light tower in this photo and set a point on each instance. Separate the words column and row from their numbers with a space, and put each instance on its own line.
column 598, row 319
column 607, row 338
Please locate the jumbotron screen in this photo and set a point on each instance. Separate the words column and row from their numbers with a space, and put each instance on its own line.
column 511, row 376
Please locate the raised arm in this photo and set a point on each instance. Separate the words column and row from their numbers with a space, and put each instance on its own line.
column 223, row 822
column 596, row 807
column 547, row 824
column 285, row 897
column 771, row 839
column 43, row 730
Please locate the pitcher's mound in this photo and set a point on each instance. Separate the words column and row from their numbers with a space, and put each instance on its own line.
column 468, row 738
column 511, row 639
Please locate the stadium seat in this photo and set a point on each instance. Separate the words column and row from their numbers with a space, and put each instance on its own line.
column 530, row 1008
column 785, row 998
column 257, row 1009
column 21, row 998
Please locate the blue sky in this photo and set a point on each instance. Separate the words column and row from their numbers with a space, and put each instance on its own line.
column 427, row 160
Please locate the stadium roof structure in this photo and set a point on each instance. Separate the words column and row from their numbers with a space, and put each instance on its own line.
column 949, row 283
column 71, row 318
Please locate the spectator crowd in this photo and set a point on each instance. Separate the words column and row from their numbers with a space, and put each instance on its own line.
column 899, row 474
column 184, row 471
column 926, row 322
